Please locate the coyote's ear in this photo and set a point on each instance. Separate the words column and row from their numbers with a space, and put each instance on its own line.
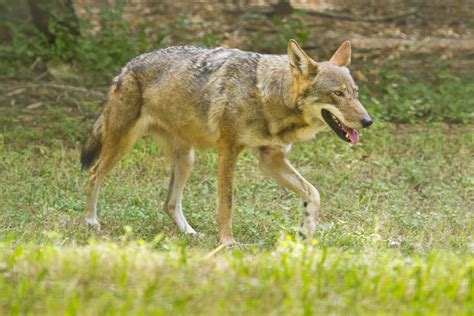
column 342, row 57
column 300, row 62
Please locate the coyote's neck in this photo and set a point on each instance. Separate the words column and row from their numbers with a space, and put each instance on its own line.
column 275, row 83
column 276, row 87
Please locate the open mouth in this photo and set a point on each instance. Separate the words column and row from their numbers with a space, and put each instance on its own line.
column 350, row 135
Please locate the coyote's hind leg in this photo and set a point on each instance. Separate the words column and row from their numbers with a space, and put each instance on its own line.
column 114, row 133
column 182, row 160
column 114, row 147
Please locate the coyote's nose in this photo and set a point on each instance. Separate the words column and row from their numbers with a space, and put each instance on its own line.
column 366, row 122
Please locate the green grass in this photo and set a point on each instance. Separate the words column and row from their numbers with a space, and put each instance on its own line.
column 411, row 186
column 395, row 234
column 293, row 279
column 433, row 96
column 396, row 230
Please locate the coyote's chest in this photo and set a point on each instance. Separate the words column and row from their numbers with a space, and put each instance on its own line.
column 286, row 135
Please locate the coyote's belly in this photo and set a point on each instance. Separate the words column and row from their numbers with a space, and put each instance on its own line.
column 180, row 115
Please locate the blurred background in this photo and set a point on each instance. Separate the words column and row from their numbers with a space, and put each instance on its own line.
column 396, row 230
column 397, row 44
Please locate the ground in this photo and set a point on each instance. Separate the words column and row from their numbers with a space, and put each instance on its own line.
column 396, row 224
column 395, row 233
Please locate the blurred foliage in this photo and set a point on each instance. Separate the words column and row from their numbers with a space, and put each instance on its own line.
column 132, row 278
column 415, row 99
column 100, row 51
column 291, row 27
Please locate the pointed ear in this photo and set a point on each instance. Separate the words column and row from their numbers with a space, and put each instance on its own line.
column 300, row 62
column 342, row 57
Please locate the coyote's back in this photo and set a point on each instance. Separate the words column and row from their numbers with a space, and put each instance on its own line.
column 195, row 92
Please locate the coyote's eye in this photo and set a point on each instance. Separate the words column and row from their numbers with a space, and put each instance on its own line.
column 339, row 93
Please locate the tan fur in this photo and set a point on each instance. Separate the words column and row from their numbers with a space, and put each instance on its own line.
column 188, row 98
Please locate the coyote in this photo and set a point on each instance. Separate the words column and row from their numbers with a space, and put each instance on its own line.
column 190, row 97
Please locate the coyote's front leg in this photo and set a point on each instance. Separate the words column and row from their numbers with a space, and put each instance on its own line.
column 273, row 162
column 227, row 158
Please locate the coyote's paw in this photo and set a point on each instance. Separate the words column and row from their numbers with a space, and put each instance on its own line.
column 310, row 220
column 197, row 235
column 228, row 242
column 225, row 243
column 193, row 234
column 308, row 228
column 93, row 223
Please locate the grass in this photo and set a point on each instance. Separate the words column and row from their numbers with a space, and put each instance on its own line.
column 398, row 184
column 293, row 279
column 395, row 234
column 396, row 227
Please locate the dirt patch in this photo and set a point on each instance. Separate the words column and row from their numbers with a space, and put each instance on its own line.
column 397, row 30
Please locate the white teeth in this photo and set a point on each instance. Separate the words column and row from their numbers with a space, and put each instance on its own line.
column 335, row 119
column 347, row 135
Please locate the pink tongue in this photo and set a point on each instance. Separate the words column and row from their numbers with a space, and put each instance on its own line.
column 354, row 135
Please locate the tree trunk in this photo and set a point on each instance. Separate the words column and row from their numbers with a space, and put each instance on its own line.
column 60, row 13
column 11, row 13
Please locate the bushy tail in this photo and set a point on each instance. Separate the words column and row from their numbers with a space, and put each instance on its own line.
column 93, row 145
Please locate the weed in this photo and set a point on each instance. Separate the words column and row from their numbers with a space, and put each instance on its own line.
column 291, row 27
column 293, row 279
column 414, row 99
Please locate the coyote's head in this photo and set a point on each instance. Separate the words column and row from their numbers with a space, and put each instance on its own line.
column 326, row 91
